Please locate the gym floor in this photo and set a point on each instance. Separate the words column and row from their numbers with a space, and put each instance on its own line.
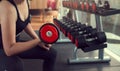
column 65, row 52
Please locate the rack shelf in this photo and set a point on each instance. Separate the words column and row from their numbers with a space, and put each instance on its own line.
column 101, row 11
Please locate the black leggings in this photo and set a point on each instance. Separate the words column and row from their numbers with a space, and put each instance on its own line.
column 14, row 63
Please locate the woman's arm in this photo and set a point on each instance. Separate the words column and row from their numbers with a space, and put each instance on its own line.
column 29, row 30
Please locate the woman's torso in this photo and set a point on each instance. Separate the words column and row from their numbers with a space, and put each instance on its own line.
column 23, row 17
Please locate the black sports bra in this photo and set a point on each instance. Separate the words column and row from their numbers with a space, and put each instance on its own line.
column 20, row 25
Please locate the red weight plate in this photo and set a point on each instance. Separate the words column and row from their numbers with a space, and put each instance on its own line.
column 94, row 7
column 72, row 38
column 49, row 33
column 87, row 6
column 76, row 42
column 69, row 35
column 82, row 6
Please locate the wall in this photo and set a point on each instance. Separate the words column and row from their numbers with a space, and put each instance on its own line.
column 38, row 4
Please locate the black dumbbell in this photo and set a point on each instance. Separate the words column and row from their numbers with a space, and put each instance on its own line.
column 57, row 22
column 82, row 41
column 64, row 18
column 106, row 5
column 65, row 26
column 82, row 30
column 62, row 23
column 69, row 27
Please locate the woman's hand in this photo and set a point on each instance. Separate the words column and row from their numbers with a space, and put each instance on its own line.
column 45, row 46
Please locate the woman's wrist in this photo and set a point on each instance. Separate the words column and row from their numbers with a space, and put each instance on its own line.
column 37, row 39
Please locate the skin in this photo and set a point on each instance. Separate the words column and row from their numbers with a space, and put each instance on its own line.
column 8, row 18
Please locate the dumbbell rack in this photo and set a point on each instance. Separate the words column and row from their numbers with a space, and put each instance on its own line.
column 61, row 39
column 101, row 57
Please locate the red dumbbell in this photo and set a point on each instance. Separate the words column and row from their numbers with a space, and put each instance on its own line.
column 49, row 33
column 87, row 6
column 82, row 5
column 94, row 7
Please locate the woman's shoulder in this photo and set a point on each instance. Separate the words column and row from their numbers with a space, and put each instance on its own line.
column 7, row 10
column 6, row 7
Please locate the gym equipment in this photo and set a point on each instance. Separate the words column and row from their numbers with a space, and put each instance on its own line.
column 66, row 23
column 100, row 47
column 49, row 33
column 57, row 23
column 106, row 5
column 82, row 30
column 75, row 5
column 67, row 27
column 82, row 5
column 75, row 27
column 71, row 29
column 79, row 5
column 83, row 36
column 94, row 8
column 82, row 41
column 87, row 6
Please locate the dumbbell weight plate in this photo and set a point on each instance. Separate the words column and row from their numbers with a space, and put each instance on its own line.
column 101, row 37
column 82, row 6
column 94, row 7
column 49, row 33
column 80, row 41
column 87, row 6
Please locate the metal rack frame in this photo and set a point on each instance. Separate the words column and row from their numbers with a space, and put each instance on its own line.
column 100, row 58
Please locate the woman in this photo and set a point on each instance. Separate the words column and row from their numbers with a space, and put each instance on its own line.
column 14, row 18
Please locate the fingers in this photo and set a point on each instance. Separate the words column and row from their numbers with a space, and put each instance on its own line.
column 49, row 45
column 45, row 46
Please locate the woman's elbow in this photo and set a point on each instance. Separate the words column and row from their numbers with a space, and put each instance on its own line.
column 9, row 53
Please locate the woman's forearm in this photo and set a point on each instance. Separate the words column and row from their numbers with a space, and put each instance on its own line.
column 21, row 47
